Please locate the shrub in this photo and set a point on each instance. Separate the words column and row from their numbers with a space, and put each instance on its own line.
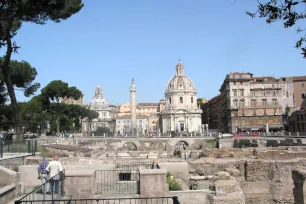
column 173, row 185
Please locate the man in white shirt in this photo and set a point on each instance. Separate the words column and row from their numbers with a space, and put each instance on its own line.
column 54, row 167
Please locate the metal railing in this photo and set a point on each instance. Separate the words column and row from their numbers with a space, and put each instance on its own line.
column 153, row 200
column 10, row 147
column 118, row 181
column 50, row 190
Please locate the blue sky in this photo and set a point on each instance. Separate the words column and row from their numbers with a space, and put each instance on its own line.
column 109, row 42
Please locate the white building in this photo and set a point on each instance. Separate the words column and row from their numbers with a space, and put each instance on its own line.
column 124, row 125
column 99, row 104
column 181, row 113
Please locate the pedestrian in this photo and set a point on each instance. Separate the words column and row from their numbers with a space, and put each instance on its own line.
column 55, row 168
column 42, row 174
column 155, row 165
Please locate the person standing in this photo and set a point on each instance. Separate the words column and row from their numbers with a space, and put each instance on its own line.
column 42, row 174
column 155, row 165
column 55, row 168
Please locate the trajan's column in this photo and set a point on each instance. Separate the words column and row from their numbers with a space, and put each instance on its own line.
column 133, row 106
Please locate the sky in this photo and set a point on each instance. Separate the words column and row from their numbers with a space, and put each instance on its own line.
column 110, row 41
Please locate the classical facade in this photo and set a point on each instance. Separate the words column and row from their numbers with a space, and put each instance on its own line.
column 99, row 104
column 181, row 113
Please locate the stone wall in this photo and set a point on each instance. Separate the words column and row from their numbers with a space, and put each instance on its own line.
column 192, row 197
column 10, row 185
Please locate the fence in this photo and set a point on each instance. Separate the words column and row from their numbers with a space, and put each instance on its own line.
column 10, row 147
column 52, row 189
column 155, row 200
column 118, row 181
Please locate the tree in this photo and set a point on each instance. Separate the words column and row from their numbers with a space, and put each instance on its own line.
column 33, row 115
column 12, row 14
column 101, row 130
column 54, row 92
column 22, row 78
column 90, row 115
column 289, row 12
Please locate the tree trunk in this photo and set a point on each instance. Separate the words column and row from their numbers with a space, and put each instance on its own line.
column 9, row 84
column 57, row 125
column 10, row 89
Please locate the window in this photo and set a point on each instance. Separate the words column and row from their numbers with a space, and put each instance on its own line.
column 274, row 93
column 273, row 86
column 191, row 99
column 274, row 102
column 169, row 100
column 181, row 99
column 287, row 94
column 303, row 95
column 264, row 102
column 140, row 121
column 264, row 93
column 302, row 117
column 242, row 103
column 303, row 85
column 253, row 93
column 253, row 102
column 298, row 117
column 235, row 104
column 235, row 92
column 241, row 92
column 234, row 83
column 241, row 82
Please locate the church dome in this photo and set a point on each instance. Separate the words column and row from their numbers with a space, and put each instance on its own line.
column 180, row 81
column 98, row 99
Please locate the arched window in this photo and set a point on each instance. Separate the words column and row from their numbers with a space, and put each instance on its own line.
column 181, row 99
column 169, row 100
column 191, row 100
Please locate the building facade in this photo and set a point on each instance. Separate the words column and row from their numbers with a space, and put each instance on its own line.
column 181, row 113
column 99, row 104
column 299, row 83
column 141, row 109
column 123, row 125
column 297, row 121
column 248, row 103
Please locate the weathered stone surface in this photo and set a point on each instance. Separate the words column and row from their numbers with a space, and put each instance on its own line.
column 222, row 175
column 233, row 172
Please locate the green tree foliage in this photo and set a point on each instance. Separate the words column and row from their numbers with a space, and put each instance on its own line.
column 33, row 115
column 289, row 12
column 65, row 124
column 53, row 93
column 101, row 130
column 12, row 14
column 77, row 113
column 23, row 76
